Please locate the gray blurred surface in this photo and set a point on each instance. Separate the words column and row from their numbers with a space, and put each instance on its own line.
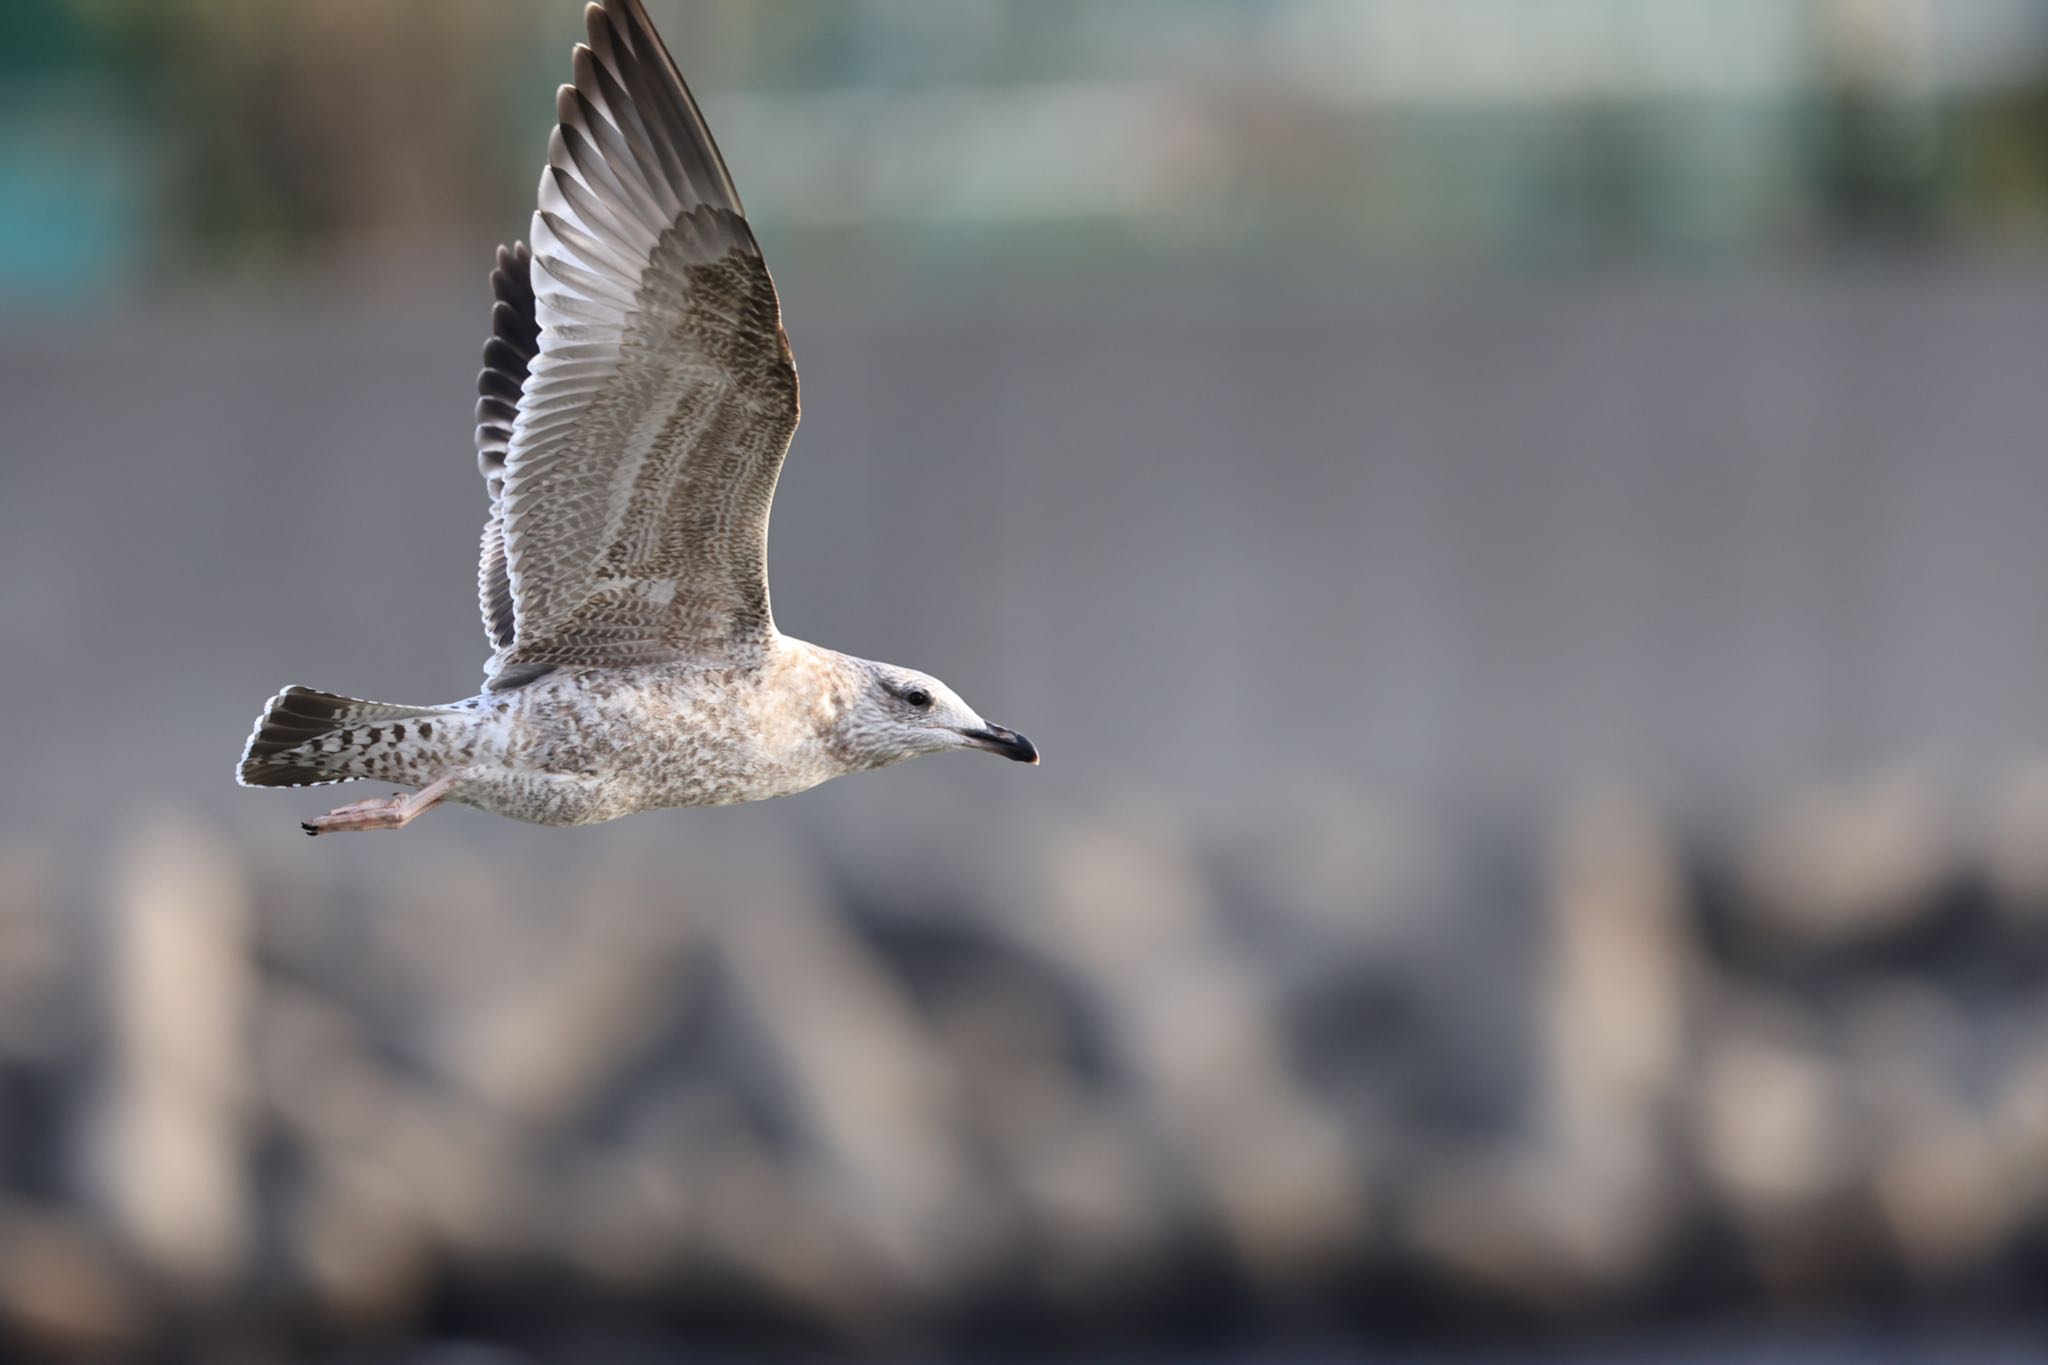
column 1464, row 538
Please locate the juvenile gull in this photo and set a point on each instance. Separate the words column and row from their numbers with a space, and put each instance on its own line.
column 638, row 397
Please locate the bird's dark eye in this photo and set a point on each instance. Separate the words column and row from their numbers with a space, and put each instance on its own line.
column 918, row 698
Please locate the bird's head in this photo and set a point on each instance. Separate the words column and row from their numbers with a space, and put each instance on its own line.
column 900, row 713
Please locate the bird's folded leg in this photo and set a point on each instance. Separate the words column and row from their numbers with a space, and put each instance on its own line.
column 395, row 812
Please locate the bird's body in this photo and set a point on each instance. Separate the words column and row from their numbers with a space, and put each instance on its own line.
column 582, row 746
column 637, row 401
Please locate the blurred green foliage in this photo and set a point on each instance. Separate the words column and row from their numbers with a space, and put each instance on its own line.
column 196, row 135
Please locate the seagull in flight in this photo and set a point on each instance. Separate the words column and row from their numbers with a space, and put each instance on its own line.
column 637, row 400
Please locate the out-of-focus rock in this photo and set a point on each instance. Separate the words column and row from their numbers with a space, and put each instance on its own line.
column 1941, row 1189
column 795, row 1231
column 63, row 1287
column 1781, row 1147
column 541, row 1044
column 465, row 1170
column 1093, row 1199
column 623, row 1219
column 2019, row 1114
column 1131, row 913
column 1614, row 987
column 1935, row 1161
column 1775, row 1132
column 1850, row 863
column 358, row 1233
column 1582, row 1208
column 453, row 931
column 872, row 1091
column 2016, row 845
column 1540, row 1232
column 316, row 1070
column 690, row 1189
column 174, row 1144
column 1067, row 1161
column 771, row 1091
column 34, row 961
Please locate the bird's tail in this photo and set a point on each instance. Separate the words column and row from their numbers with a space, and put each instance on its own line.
column 306, row 738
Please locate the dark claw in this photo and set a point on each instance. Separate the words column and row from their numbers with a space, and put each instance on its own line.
column 309, row 829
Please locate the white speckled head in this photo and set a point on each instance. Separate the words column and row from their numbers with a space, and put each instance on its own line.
column 899, row 713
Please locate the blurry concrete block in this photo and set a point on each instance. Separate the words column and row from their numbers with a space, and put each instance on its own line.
column 693, row 1188
column 1775, row 1132
column 1094, row 1200
column 316, row 1071
column 466, row 1171
column 1583, row 1209
column 172, row 1141
column 1070, row 1162
column 542, row 1042
column 456, row 930
column 1132, row 916
column 1938, row 1165
column 1941, row 1187
column 1782, row 1147
column 36, row 1012
column 626, row 1219
column 2020, row 1118
column 361, row 1243
column 63, row 1288
column 2016, row 845
column 872, row 1091
column 1543, row 1233
column 798, row 1230
column 1616, row 973
column 1850, row 863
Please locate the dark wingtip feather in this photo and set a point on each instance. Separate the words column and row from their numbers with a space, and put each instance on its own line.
column 508, row 359
column 627, row 43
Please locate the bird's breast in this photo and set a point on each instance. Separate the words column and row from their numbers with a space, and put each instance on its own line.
column 715, row 738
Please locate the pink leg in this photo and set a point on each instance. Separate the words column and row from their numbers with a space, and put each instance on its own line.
column 395, row 812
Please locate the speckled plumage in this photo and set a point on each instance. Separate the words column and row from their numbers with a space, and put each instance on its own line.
column 637, row 400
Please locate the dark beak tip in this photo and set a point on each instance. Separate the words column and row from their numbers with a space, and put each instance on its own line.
column 1008, row 743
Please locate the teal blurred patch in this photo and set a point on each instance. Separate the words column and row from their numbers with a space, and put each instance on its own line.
column 72, row 196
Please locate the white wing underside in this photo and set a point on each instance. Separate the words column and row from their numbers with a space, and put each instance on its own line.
column 655, row 393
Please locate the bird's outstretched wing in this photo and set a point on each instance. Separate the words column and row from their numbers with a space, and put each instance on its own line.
column 655, row 397
column 508, row 359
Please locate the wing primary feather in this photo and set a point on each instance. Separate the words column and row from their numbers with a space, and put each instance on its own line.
column 650, row 93
column 622, row 138
column 508, row 357
column 596, row 81
column 511, row 325
column 589, row 285
column 498, row 384
column 503, row 356
column 608, row 169
column 664, row 82
column 628, row 104
column 623, row 230
column 576, row 236
column 591, row 209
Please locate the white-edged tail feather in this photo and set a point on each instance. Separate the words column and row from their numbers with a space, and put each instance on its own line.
column 308, row 739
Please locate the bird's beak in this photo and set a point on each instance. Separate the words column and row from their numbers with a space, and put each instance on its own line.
column 1008, row 743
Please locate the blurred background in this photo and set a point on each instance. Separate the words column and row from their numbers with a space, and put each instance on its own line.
column 1516, row 524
